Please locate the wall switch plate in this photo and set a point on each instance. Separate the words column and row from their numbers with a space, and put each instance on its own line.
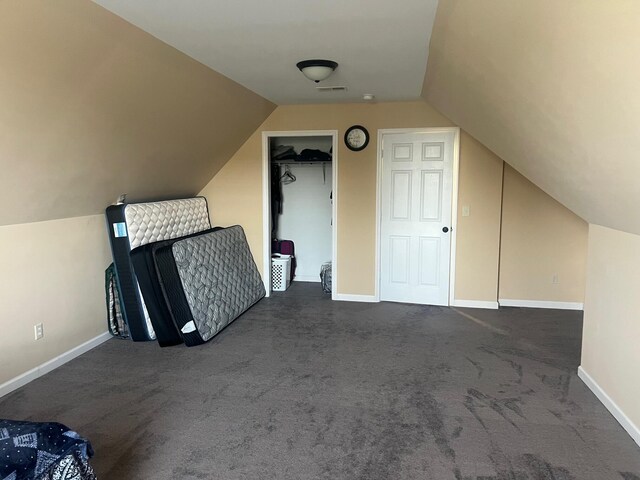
column 465, row 210
column 555, row 279
column 38, row 330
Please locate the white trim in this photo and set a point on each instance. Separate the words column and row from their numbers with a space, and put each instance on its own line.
column 307, row 278
column 506, row 302
column 631, row 428
column 376, row 288
column 344, row 297
column 266, row 216
column 475, row 304
column 454, row 214
column 454, row 200
column 21, row 380
column 334, row 216
column 266, row 202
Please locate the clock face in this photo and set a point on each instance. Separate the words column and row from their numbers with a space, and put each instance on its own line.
column 356, row 138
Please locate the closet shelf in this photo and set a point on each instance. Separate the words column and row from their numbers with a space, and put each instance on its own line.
column 295, row 162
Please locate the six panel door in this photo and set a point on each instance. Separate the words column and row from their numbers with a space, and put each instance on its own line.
column 415, row 234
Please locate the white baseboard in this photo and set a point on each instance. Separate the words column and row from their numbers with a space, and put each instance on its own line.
column 344, row 297
column 475, row 304
column 52, row 364
column 307, row 278
column 507, row 302
column 631, row 428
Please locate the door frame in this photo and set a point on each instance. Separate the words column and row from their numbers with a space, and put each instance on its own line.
column 454, row 200
column 266, row 202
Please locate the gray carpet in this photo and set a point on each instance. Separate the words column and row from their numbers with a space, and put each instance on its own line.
column 304, row 388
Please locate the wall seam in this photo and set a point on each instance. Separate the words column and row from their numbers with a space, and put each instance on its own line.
column 500, row 233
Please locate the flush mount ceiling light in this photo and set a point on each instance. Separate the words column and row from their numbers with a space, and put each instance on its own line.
column 317, row 70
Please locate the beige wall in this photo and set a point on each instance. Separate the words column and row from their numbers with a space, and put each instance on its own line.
column 552, row 88
column 610, row 352
column 53, row 273
column 540, row 238
column 478, row 238
column 93, row 107
column 235, row 193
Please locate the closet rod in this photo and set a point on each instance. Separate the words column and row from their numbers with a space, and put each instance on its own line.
column 291, row 164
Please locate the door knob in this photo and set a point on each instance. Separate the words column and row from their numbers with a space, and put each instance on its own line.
column 445, row 229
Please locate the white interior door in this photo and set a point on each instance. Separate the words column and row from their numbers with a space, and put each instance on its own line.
column 415, row 228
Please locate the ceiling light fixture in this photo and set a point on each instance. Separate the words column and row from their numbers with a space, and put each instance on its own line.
column 317, row 70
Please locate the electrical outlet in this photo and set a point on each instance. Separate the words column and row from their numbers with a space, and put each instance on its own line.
column 39, row 331
column 555, row 279
column 465, row 210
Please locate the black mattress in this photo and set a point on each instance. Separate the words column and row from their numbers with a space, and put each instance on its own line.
column 158, row 306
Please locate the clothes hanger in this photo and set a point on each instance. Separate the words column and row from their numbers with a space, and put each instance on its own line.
column 287, row 177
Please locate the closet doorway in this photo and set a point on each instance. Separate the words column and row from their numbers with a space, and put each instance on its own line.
column 300, row 180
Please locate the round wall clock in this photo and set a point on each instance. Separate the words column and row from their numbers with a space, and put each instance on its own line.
column 356, row 138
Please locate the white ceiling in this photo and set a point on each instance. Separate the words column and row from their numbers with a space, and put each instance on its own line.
column 381, row 46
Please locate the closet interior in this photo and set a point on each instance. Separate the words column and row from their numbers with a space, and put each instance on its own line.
column 301, row 171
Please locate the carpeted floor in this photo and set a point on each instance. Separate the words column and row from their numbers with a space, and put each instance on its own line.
column 304, row 388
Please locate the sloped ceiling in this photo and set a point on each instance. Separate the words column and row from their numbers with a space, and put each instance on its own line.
column 92, row 107
column 552, row 88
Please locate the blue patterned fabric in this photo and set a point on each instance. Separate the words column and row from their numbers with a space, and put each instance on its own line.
column 34, row 451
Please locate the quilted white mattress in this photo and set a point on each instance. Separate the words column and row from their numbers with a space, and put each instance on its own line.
column 156, row 221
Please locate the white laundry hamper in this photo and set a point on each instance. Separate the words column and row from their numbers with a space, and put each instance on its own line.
column 280, row 272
